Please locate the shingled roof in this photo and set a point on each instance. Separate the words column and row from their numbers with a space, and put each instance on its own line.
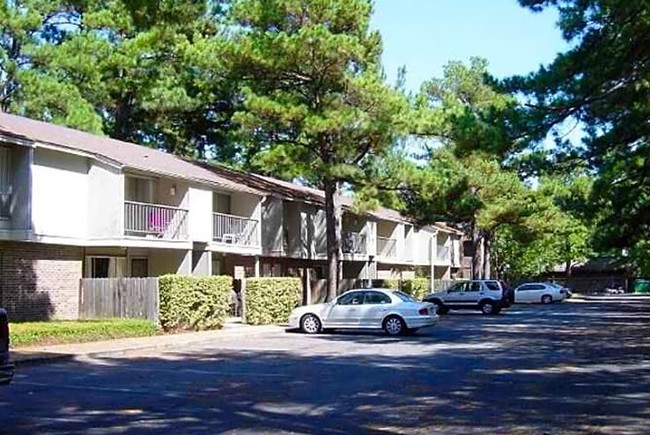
column 125, row 154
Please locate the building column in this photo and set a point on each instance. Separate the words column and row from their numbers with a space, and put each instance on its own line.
column 257, row 266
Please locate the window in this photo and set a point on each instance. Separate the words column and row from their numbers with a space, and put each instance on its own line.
column 221, row 203
column 526, row 287
column 139, row 267
column 353, row 298
column 456, row 288
column 106, row 267
column 140, row 190
column 404, row 297
column 492, row 285
column 6, row 182
column 474, row 287
column 376, row 298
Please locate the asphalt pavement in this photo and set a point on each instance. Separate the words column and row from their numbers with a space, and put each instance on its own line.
column 564, row 368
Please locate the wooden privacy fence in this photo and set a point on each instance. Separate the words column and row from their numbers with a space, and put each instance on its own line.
column 126, row 298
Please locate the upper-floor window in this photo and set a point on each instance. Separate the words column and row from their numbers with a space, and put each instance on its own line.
column 140, row 190
column 221, row 203
column 6, row 182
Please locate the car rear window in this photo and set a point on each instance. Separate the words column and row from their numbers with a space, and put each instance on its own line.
column 492, row 285
column 404, row 297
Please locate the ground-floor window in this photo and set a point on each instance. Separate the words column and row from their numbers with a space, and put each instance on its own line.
column 106, row 267
column 139, row 267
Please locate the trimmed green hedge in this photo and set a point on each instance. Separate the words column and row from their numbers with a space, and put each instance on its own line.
column 195, row 303
column 271, row 300
column 78, row 331
column 417, row 287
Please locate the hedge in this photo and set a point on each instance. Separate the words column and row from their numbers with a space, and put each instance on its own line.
column 271, row 300
column 194, row 303
column 78, row 331
column 416, row 287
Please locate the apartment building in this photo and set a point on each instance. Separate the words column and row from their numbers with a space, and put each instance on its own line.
column 75, row 205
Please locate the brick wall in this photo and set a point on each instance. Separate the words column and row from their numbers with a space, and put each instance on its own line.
column 40, row 281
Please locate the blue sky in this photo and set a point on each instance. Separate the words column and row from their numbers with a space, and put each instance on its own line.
column 424, row 35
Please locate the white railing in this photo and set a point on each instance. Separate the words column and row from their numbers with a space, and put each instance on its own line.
column 443, row 254
column 153, row 220
column 386, row 247
column 353, row 243
column 234, row 230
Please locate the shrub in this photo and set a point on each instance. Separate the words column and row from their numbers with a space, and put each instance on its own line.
column 78, row 331
column 416, row 287
column 270, row 300
column 195, row 303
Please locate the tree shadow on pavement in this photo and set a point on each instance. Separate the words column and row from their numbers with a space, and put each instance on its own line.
column 479, row 374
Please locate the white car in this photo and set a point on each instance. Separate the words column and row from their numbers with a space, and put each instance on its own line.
column 391, row 310
column 542, row 292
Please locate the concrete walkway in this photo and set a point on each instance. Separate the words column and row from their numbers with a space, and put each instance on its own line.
column 43, row 354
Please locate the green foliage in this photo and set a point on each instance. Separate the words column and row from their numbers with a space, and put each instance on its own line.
column 147, row 71
column 78, row 331
column 416, row 287
column 271, row 300
column 195, row 303
column 602, row 82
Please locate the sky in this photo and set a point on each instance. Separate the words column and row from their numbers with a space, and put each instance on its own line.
column 423, row 35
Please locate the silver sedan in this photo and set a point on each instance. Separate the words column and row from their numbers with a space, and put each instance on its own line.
column 391, row 310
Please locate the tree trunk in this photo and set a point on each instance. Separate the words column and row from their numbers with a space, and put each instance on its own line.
column 333, row 225
column 487, row 257
column 477, row 257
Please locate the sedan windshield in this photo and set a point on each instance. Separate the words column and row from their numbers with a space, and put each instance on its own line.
column 405, row 297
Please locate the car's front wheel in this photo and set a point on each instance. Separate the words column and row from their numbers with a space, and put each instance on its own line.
column 310, row 324
column 394, row 325
column 547, row 299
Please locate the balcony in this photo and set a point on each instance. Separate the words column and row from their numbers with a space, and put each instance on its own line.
column 386, row 247
column 155, row 221
column 354, row 243
column 234, row 230
column 443, row 254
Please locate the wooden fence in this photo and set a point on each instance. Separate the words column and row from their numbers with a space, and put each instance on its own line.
column 126, row 298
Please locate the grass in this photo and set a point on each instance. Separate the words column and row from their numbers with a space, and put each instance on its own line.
column 78, row 331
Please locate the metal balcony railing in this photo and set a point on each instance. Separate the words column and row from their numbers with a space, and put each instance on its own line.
column 154, row 220
column 354, row 243
column 386, row 247
column 234, row 230
column 443, row 254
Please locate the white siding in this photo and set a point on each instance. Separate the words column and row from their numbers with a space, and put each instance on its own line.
column 105, row 201
column 59, row 194
column 200, row 215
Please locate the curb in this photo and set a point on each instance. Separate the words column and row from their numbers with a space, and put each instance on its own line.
column 47, row 358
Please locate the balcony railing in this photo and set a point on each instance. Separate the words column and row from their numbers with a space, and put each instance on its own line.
column 443, row 254
column 354, row 243
column 153, row 220
column 386, row 247
column 234, row 230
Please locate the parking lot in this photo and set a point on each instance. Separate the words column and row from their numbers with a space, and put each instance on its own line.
column 564, row 368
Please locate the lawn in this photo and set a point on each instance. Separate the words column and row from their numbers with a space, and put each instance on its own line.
column 77, row 331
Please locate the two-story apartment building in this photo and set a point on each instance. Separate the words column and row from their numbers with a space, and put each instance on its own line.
column 74, row 205
column 79, row 205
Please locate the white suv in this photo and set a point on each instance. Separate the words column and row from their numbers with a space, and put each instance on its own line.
column 488, row 296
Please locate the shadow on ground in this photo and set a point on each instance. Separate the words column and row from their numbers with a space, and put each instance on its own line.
column 563, row 369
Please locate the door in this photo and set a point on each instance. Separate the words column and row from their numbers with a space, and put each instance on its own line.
column 346, row 311
column 525, row 293
column 473, row 293
column 455, row 294
column 374, row 309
